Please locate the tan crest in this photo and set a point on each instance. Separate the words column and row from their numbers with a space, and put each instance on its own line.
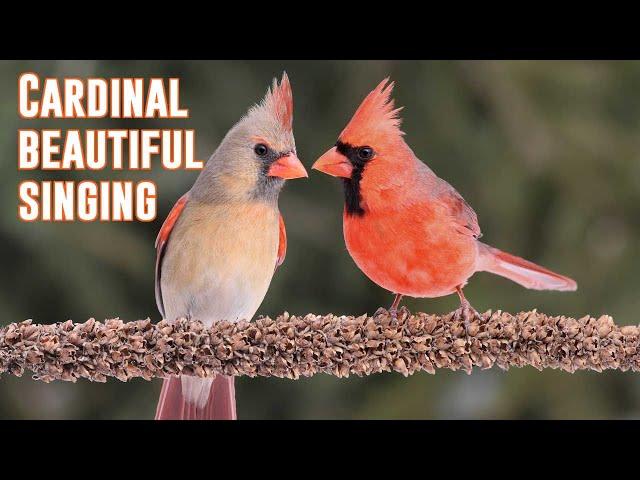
column 279, row 100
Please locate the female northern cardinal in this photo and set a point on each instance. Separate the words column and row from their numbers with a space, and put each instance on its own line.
column 408, row 230
column 222, row 241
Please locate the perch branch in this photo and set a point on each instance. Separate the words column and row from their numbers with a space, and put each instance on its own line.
column 292, row 346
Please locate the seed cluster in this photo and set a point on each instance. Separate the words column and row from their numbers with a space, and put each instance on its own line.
column 292, row 346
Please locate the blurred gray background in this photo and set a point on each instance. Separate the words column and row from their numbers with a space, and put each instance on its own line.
column 547, row 153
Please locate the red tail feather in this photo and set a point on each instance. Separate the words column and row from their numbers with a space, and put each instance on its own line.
column 522, row 271
column 220, row 406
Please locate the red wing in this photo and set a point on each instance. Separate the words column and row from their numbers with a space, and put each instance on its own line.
column 462, row 214
column 282, row 245
column 161, row 244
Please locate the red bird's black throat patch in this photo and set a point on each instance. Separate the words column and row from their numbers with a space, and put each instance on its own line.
column 352, row 194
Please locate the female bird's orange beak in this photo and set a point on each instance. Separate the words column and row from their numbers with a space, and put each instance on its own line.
column 287, row 167
column 334, row 163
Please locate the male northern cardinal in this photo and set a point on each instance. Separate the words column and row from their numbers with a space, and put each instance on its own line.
column 222, row 241
column 408, row 230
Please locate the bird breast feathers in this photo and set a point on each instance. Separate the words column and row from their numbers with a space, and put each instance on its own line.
column 220, row 252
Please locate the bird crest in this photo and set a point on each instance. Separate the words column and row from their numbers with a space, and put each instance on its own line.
column 376, row 116
column 279, row 102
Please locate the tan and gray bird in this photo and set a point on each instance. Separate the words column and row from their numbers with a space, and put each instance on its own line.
column 221, row 243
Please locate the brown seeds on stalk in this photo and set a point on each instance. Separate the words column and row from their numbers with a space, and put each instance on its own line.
column 294, row 347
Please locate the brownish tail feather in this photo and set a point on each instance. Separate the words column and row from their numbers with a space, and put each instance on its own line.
column 220, row 406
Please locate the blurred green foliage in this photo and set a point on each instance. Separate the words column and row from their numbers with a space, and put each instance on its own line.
column 547, row 153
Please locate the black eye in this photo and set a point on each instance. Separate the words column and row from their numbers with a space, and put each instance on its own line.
column 365, row 153
column 261, row 149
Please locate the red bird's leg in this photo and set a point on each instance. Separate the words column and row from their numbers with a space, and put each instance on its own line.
column 393, row 310
column 466, row 311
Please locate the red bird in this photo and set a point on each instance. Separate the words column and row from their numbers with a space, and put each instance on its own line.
column 408, row 230
column 222, row 241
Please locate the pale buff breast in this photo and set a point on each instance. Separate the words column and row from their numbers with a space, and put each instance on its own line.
column 220, row 261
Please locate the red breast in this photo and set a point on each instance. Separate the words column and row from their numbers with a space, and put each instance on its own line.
column 414, row 250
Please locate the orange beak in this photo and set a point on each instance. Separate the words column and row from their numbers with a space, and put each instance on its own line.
column 287, row 167
column 334, row 163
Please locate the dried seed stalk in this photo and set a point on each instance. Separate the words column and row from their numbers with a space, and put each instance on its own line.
column 292, row 346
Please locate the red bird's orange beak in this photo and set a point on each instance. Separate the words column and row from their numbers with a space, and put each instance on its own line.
column 287, row 167
column 334, row 163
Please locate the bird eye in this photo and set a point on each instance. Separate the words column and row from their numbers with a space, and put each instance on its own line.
column 261, row 149
column 365, row 153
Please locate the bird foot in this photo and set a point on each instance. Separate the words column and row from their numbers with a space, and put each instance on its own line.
column 467, row 313
column 392, row 312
